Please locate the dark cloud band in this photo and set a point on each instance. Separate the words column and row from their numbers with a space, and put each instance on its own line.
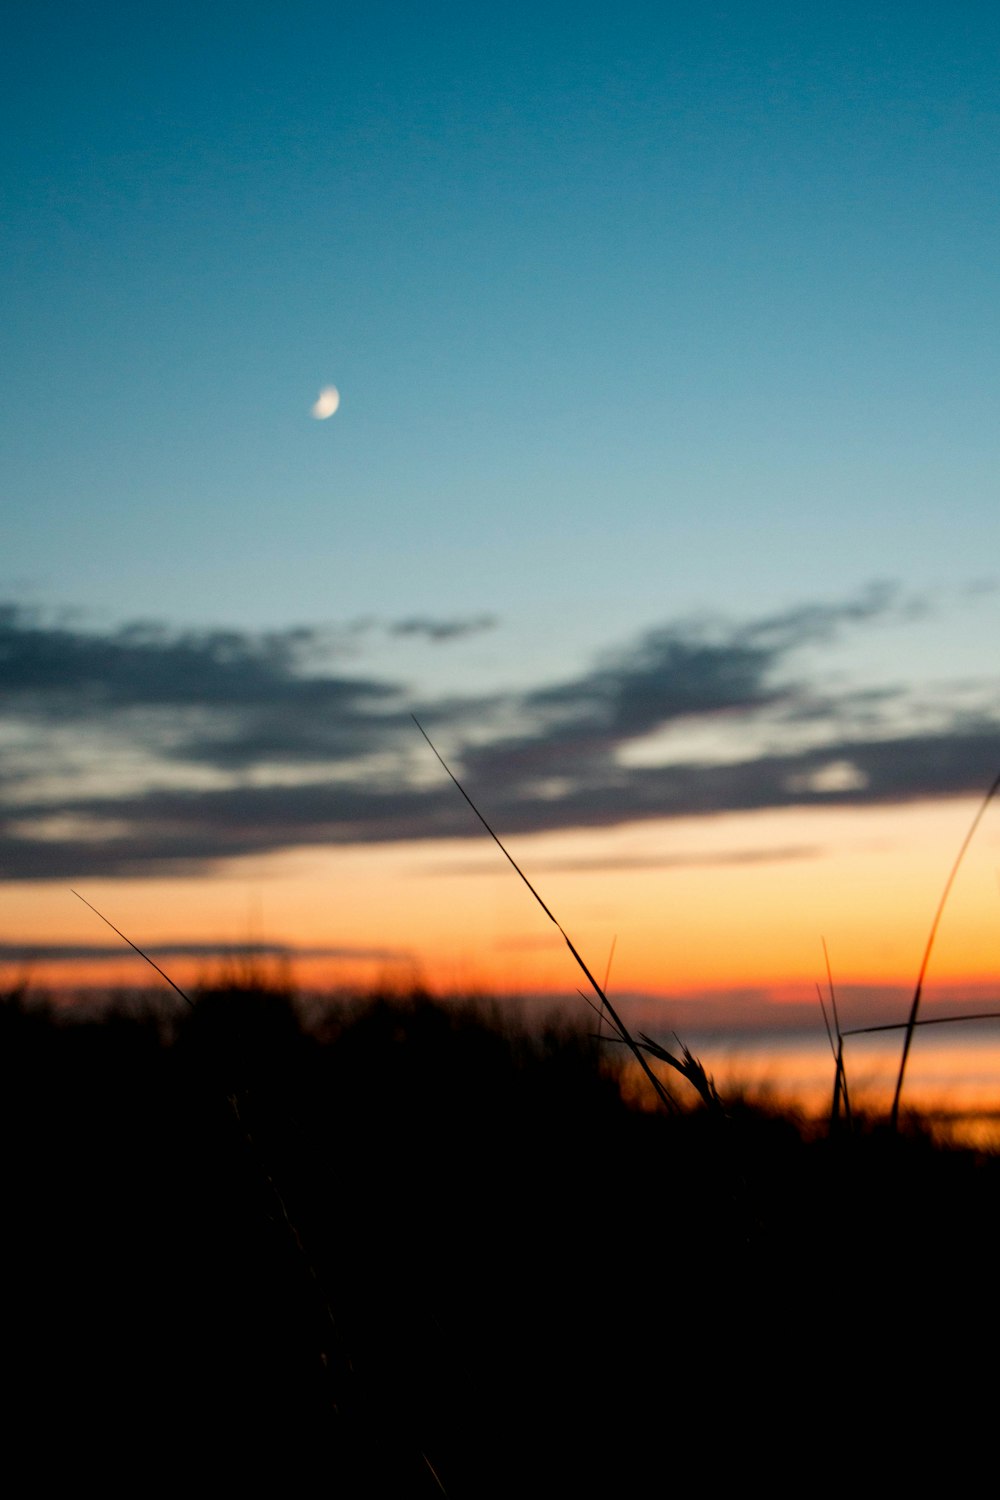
column 205, row 746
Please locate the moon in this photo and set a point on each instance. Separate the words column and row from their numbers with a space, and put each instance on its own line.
column 326, row 403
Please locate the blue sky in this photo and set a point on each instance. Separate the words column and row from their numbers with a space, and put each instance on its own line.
column 667, row 342
column 680, row 306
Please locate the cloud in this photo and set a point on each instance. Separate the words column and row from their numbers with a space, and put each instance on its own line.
column 820, row 622
column 56, row 953
column 438, row 631
column 603, row 864
column 669, row 675
column 146, row 664
column 146, row 750
column 228, row 698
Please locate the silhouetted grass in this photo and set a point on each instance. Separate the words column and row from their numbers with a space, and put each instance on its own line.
column 414, row 1236
column 915, row 1003
column 413, row 1248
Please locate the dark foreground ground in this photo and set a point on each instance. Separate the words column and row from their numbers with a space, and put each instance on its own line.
column 414, row 1253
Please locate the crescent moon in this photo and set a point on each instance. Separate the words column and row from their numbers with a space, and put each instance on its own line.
column 326, row 403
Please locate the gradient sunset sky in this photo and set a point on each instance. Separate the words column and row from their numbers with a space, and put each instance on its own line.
column 663, row 489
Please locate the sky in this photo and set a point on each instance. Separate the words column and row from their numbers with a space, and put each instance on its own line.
column 662, row 489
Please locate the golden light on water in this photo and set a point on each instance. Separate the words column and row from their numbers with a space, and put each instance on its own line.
column 952, row 1082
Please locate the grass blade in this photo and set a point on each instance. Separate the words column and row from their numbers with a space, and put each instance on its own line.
column 135, row 948
column 840, row 1076
column 915, row 1006
column 609, row 1009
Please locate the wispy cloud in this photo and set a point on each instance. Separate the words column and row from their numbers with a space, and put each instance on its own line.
column 439, row 631
column 603, row 864
column 56, row 953
column 145, row 749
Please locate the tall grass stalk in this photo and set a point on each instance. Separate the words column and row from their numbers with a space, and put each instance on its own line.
column 840, row 1076
column 334, row 1353
column 136, row 949
column 607, row 1008
column 915, row 1006
column 689, row 1067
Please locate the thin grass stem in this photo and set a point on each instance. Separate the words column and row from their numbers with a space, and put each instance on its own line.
column 915, row 1006
column 135, row 948
column 840, row 1076
column 979, row 1015
column 612, row 1014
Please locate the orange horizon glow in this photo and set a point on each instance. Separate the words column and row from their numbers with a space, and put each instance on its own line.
column 736, row 903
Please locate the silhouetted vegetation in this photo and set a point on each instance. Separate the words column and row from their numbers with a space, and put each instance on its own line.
column 417, row 1246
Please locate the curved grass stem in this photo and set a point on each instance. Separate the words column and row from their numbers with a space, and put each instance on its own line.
column 915, row 1005
column 608, row 1008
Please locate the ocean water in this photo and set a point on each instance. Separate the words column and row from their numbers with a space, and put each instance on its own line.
column 952, row 1074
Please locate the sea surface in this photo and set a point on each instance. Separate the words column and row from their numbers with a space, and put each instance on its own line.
column 952, row 1074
